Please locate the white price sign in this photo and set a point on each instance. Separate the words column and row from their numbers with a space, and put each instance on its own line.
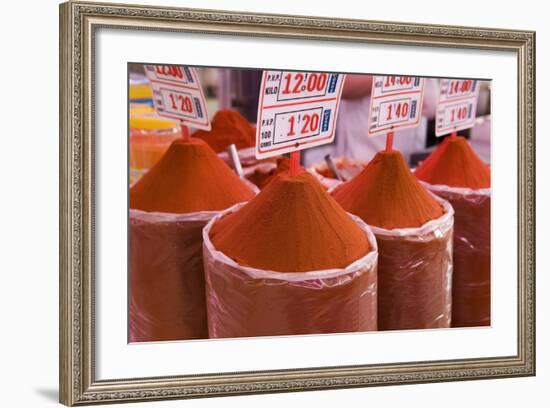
column 177, row 94
column 297, row 110
column 396, row 103
column 456, row 108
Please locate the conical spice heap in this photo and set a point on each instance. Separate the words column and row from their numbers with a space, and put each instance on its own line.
column 454, row 163
column 293, row 225
column 189, row 177
column 228, row 127
column 387, row 195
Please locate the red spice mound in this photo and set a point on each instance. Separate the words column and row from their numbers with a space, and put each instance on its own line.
column 228, row 127
column 454, row 163
column 293, row 225
column 189, row 177
column 387, row 195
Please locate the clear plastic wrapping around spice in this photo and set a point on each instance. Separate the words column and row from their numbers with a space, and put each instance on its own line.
column 471, row 254
column 347, row 168
column 415, row 268
column 244, row 301
column 166, row 275
column 166, row 288
column 170, row 206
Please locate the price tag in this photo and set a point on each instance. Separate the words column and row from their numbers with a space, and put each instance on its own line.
column 456, row 108
column 396, row 103
column 177, row 94
column 297, row 110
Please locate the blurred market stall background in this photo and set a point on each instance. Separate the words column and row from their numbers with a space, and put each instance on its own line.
column 238, row 89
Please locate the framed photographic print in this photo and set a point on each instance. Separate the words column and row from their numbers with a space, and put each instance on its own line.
column 256, row 203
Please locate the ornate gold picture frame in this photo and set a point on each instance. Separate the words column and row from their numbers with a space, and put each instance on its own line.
column 78, row 23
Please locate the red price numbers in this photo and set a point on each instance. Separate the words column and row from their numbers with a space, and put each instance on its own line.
column 397, row 111
column 294, row 83
column 458, row 113
column 181, row 103
column 460, row 87
column 308, row 123
column 169, row 71
column 397, row 81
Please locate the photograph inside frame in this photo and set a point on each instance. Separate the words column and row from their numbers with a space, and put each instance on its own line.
column 272, row 202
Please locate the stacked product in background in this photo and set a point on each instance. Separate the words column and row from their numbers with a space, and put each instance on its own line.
column 414, row 234
column 455, row 172
column 170, row 205
column 140, row 90
column 290, row 261
column 141, row 109
column 150, row 137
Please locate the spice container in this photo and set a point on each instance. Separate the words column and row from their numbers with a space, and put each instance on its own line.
column 455, row 172
column 170, row 205
column 414, row 234
column 290, row 261
column 347, row 168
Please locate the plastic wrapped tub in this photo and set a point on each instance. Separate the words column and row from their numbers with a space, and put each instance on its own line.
column 415, row 268
column 471, row 254
column 247, row 302
column 349, row 168
column 166, row 264
column 327, row 182
column 166, row 280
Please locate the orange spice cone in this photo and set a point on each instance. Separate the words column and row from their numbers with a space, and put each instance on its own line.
column 228, row 127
